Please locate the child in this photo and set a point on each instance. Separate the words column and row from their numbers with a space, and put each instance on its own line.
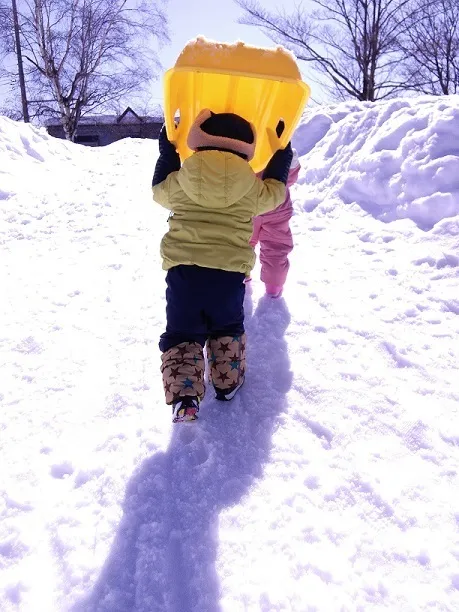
column 272, row 230
column 212, row 197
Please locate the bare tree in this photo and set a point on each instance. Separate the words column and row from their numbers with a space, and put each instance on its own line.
column 81, row 55
column 10, row 103
column 353, row 43
column 17, row 41
column 6, row 37
column 431, row 47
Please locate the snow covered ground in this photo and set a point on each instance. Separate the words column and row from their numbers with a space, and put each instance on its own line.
column 331, row 482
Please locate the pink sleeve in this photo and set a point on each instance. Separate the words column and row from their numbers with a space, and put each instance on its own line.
column 293, row 175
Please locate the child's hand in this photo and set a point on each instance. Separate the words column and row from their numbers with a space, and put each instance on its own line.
column 279, row 165
column 166, row 147
column 168, row 160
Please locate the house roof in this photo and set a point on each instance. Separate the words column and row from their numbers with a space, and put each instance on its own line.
column 126, row 117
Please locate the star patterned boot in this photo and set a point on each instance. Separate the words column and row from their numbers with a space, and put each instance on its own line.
column 226, row 357
column 182, row 368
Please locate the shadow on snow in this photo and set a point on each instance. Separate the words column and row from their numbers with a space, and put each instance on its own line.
column 163, row 558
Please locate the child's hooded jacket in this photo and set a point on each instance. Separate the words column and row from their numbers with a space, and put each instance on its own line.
column 213, row 197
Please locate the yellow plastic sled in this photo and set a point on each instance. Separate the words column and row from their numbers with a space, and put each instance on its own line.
column 261, row 85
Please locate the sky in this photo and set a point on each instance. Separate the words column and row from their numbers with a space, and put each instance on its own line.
column 188, row 19
column 329, row 484
column 202, row 17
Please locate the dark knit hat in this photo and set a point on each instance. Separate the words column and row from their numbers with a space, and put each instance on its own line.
column 225, row 131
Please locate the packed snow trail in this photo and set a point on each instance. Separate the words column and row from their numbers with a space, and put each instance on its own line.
column 330, row 483
column 174, row 500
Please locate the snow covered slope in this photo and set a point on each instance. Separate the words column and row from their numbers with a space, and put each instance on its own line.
column 330, row 483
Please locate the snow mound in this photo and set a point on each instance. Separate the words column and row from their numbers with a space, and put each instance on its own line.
column 395, row 160
column 329, row 483
column 23, row 141
column 28, row 154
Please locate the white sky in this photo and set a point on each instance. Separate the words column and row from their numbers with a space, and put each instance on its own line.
column 202, row 17
column 188, row 19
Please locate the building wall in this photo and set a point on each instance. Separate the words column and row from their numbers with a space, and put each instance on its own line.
column 101, row 135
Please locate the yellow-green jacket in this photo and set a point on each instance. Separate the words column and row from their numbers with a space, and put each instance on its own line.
column 213, row 198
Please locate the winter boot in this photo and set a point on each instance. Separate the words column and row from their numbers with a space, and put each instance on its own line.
column 274, row 291
column 226, row 357
column 225, row 395
column 183, row 372
column 185, row 409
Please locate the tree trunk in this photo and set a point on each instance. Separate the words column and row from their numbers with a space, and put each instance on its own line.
column 25, row 108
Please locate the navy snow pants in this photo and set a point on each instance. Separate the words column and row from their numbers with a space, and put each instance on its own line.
column 202, row 303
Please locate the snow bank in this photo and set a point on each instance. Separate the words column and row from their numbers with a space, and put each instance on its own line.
column 395, row 160
column 28, row 154
column 20, row 141
column 329, row 483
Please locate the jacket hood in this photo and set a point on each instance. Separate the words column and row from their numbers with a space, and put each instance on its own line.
column 215, row 179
